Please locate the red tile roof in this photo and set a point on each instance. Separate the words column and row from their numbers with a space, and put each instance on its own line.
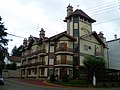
column 14, row 58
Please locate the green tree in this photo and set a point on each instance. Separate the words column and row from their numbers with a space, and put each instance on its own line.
column 94, row 65
column 3, row 43
column 17, row 51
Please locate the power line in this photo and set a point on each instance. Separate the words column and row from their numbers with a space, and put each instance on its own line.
column 15, row 35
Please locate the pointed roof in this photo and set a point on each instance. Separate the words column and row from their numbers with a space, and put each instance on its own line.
column 95, row 35
column 79, row 12
column 57, row 36
column 14, row 58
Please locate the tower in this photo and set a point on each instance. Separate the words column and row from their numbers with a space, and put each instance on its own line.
column 78, row 24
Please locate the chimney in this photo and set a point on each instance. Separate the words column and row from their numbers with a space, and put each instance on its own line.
column 101, row 35
column 69, row 10
column 42, row 33
column 25, row 42
column 115, row 36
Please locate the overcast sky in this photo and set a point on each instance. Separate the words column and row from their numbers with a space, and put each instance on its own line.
column 26, row 17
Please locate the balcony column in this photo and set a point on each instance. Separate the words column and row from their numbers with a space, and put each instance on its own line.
column 38, row 71
column 25, row 73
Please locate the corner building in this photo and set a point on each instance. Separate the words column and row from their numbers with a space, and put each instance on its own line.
column 62, row 54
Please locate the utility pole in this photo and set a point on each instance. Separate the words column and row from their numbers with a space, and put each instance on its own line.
column 94, row 78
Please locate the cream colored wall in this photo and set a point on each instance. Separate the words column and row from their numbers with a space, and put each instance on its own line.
column 32, row 61
column 71, row 28
column 51, row 48
column 92, row 45
column 46, row 60
column 34, row 47
column 58, row 57
column 75, row 25
column 46, row 72
column 69, row 57
column 84, row 28
column 65, row 39
column 81, row 60
column 51, row 61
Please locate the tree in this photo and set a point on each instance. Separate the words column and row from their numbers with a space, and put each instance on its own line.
column 17, row 51
column 94, row 65
column 3, row 43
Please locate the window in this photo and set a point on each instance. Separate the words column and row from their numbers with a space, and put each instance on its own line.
column 63, row 46
column 75, row 32
column 76, row 48
column 42, row 71
column 86, row 47
column 75, row 19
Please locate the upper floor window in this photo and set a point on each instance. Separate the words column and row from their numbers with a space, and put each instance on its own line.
column 75, row 32
column 76, row 19
column 63, row 46
column 76, row 47
column 86, row 47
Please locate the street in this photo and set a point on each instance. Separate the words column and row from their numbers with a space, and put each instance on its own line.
column 16, row 85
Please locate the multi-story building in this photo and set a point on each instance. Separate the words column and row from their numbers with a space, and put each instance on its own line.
column 62, row 54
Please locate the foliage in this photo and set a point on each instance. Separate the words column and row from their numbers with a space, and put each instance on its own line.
column 3, row 43
column 16, row 51
column 65, row 78
column 94, row 65
column 3, row 40
column 52, row 78
column 81, row 83
column 12, row 66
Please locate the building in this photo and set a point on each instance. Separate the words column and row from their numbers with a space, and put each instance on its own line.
column 62, row 54
column 112, row 54
column 11, row 59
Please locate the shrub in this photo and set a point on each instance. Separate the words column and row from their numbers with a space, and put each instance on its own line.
column 52, row 78
column 65, row 78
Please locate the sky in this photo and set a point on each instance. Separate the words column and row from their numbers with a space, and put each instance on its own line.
column 26, row 17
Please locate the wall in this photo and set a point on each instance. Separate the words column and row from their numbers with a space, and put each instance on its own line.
column 11, row 74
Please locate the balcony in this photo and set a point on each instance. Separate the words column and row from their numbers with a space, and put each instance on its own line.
column 67, row 63
column 29, row 64
column 42, row 52
column 64, row 50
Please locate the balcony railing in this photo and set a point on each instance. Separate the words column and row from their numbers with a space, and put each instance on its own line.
column 29, row 64
column 64, row 50
column 67, row 62
column 43, row 51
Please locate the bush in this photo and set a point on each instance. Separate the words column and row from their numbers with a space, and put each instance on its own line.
column 52, row 78
column 65, row 78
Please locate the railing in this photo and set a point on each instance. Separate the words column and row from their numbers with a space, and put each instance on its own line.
column 29, row 64
column 34, row 53
column 64, row 49
column 67, row 62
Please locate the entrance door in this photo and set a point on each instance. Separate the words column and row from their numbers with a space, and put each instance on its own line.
column 63, row 72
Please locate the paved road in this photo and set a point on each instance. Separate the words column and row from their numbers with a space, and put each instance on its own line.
column 16, row 85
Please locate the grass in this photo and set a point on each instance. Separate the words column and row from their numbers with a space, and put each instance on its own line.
column 83, row 83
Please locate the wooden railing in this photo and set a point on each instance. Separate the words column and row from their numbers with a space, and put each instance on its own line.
column 34, row 53
column 64, row 49
column 67, row 62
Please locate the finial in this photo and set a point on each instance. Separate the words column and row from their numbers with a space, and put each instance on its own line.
column 77, row 6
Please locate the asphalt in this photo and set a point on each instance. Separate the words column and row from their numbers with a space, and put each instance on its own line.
column 38, row 82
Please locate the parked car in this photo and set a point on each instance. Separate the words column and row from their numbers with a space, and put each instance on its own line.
column 1, row 81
